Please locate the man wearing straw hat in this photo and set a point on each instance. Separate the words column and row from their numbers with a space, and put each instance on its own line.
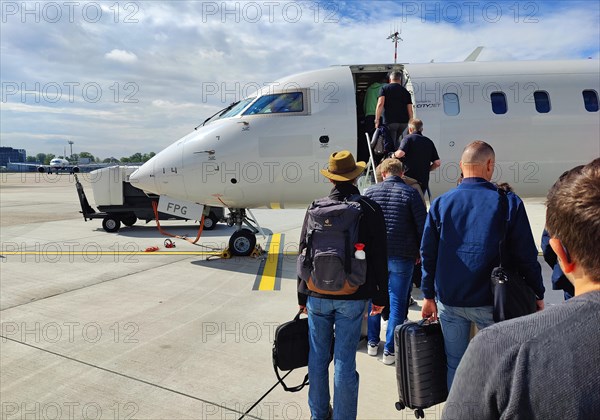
column 343, row 311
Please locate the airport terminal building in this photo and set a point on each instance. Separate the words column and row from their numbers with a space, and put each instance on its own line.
column 8, row 154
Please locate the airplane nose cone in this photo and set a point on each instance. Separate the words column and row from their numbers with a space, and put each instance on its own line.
column 144, row 178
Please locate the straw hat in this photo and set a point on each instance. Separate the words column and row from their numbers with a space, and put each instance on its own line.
column 342, row 167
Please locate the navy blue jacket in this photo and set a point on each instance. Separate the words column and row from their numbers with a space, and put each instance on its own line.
column 460, row 244
column 404, row 214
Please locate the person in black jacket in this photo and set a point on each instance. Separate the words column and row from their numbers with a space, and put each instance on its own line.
column 344, row 312
column 404, row 213
column 419, row 154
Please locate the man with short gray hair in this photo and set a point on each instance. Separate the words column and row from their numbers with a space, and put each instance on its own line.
column 460, row 247
column 395, row 104
column 419, row 154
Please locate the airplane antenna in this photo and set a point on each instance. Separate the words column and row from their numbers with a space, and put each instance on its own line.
column 395, row 36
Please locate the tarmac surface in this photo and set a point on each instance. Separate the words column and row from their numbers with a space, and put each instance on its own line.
column 94, row 327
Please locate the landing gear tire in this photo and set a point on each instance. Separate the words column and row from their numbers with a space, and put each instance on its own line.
column 129, row 219
column 242, row 243
column 210, row 221
column 111, row 224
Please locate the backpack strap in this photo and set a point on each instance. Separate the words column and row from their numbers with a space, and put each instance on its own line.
column 308, row 260
column 357, row 198
column 348, row 256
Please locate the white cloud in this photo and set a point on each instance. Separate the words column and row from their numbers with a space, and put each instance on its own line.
column 197, row 56
column 121, row 56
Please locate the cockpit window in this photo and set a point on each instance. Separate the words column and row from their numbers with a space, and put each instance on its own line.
column 237, row 108
column 231, row 111
column 277, row 103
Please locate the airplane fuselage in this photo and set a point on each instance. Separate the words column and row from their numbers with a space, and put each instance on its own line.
column 540, row 117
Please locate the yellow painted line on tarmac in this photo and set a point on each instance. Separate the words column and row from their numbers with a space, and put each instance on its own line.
column 270, row 271
column 87, row 253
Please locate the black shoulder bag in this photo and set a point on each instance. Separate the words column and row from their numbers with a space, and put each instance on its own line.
column 512, row 296
column 290, row 349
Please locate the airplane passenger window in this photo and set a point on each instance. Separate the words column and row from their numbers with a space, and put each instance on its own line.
column 590, row 100
column 451, row 104
column 277, row 103
column 499, row 102
column 542, row 101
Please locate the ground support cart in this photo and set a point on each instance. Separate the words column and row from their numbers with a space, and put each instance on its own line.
column 119, row 202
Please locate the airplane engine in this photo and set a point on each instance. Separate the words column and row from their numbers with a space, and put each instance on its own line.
column 75, row 169
column 41, row 169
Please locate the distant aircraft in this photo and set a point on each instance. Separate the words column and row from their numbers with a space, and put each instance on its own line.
column 266, row 150
column 58, row 165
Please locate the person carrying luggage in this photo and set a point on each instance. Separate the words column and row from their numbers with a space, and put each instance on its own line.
column 545, row 365
column 335, row 281
column 460, row 247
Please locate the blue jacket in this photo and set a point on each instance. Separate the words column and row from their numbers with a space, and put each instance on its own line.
column 460, row 244
column 559, row 280
column 404, row 214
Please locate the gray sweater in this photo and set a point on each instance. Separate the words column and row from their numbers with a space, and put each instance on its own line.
column 542, row 366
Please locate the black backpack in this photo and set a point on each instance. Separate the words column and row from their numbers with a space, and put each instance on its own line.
column 327, row 264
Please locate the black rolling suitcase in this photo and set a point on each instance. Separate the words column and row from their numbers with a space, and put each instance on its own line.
column 420, row 366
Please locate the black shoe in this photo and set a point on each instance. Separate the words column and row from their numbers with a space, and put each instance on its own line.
column 411, row 302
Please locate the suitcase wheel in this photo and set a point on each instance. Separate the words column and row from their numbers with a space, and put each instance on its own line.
column 400, row 406
column 419, row 413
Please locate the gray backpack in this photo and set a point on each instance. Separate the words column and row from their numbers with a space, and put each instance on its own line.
column 327, row 264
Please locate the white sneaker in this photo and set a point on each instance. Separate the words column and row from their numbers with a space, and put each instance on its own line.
column 388, row 359
column 372, row 349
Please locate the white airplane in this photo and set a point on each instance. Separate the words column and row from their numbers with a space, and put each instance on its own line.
column 59, row 164
column 266, row 150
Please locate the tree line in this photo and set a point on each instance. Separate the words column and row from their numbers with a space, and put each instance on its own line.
column 45, row 158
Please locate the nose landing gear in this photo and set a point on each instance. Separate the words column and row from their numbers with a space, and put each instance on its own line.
column 243, row 240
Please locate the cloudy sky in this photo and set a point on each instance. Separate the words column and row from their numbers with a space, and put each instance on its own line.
column 121, row 77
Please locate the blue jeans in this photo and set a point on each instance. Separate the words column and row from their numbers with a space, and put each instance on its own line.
column 346, row 316
column 399, row 285
column 456, row 327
